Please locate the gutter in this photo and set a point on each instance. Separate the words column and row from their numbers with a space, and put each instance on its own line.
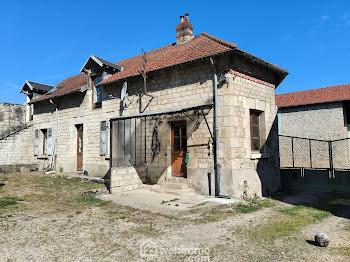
column 53, row 159
column 216, row 129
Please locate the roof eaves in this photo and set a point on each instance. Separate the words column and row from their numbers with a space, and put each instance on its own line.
column 314, row 103
column 162, row 68
column 259, row 60
column 26, row 83
column 81, row 89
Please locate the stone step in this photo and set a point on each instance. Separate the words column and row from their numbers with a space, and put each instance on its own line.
column 176, row 180
column 167, row 190
column 175, row 185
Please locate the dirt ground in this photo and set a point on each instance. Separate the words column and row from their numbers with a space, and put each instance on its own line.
column 50, row 218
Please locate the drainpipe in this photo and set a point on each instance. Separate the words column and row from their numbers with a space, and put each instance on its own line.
column 56, row 130
column 216, row 129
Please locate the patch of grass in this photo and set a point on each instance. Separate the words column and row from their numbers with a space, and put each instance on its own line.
column 246, row 208
column 309, row 213
column 334, row 202
column 171, row 200
column 200, row 204
column 254, row 206
column 212, row 216
column 9, row 201
column 292, row 220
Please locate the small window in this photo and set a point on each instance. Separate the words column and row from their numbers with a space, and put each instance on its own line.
column 97, row 96
column 44, row 132
column 255, row 130
column 46, row 140
column 31, row 112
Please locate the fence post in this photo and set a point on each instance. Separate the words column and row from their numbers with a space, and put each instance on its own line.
column 310, row 153
column 293, row 150
column 331, row 164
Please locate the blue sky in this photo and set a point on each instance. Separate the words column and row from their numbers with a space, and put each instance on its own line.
column 48, row 41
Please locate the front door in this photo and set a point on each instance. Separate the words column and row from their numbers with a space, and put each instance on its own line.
column 179, row 148
column 80, row 145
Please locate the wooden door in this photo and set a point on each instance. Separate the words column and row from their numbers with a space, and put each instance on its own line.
column 179, row 148
column 80, row 147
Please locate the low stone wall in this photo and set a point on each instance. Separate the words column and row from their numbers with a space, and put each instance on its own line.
column 18, row 148
column 11, row 115
column 18, row 168
column 124, row 179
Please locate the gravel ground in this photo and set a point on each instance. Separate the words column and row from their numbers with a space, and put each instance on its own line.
column 51, row 219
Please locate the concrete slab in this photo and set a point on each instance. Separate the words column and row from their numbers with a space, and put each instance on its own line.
column 168, row 204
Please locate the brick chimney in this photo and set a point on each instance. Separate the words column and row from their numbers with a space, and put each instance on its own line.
column 184, row 30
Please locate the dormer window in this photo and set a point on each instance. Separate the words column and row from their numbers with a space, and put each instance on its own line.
column 98, row 70
column 97, row 96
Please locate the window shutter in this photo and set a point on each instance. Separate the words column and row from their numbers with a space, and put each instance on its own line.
column 49, row 141
column 103, row 138
column 95, row 95
column 36, row 142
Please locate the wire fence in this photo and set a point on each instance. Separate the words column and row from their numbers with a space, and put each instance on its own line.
column 313, row 153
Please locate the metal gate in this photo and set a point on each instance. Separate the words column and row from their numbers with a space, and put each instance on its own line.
column 314, row 164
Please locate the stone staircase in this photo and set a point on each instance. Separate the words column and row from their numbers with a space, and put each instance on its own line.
column 174, row 186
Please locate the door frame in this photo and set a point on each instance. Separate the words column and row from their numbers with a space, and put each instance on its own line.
column 172, row 123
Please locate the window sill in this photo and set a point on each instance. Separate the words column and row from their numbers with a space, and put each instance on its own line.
column 42, row 157
column 107, row 157
column 258, row 155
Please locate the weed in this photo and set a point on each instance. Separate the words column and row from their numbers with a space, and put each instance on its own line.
column 246, row 208
column 9, row 201
column 171, row 200
column 200, row 204
column 254, row 205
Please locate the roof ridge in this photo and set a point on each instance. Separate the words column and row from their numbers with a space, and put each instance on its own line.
column 219, row 40
column 315, row 89
column 38, row 83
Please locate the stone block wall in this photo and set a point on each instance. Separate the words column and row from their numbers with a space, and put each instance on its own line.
column 11, row 116
column 124, row 179
column 319, row 121
column 18, row 148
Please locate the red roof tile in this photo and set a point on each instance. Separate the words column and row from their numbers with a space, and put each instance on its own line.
column 314, row 96
column 66, row 86
column 200, row 46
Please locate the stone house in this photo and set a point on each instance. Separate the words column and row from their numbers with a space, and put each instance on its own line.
column 200, row 111
column 322, row 113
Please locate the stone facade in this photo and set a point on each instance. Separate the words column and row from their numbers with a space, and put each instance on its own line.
column 318, row 121
column 11, row 116
column 243, row 172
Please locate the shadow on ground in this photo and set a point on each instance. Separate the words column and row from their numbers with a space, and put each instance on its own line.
column 335, row 203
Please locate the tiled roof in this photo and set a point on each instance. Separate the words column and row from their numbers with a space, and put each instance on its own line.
column 200, row 46
column 67, row 86
column 314, row 96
